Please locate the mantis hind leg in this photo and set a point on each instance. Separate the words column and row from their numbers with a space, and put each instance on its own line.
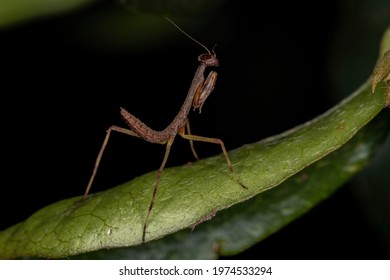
column 191, row 138
column 159, row 172
column 183, row 132
column 100, row 154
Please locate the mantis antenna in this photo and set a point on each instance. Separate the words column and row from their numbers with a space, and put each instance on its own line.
column 189, row 36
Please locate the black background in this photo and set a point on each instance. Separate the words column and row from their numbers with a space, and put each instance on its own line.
column 278, row 63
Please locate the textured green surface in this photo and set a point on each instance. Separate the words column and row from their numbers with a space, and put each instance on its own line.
column 241, row 226
column 382, row 68
column 114, row 218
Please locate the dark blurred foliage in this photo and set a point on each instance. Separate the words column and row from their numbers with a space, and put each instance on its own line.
column 281, row 64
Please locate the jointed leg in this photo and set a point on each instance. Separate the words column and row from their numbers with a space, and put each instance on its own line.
column 159, row 172
column 215, row 141
column 191, row 142
column 99, row 157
